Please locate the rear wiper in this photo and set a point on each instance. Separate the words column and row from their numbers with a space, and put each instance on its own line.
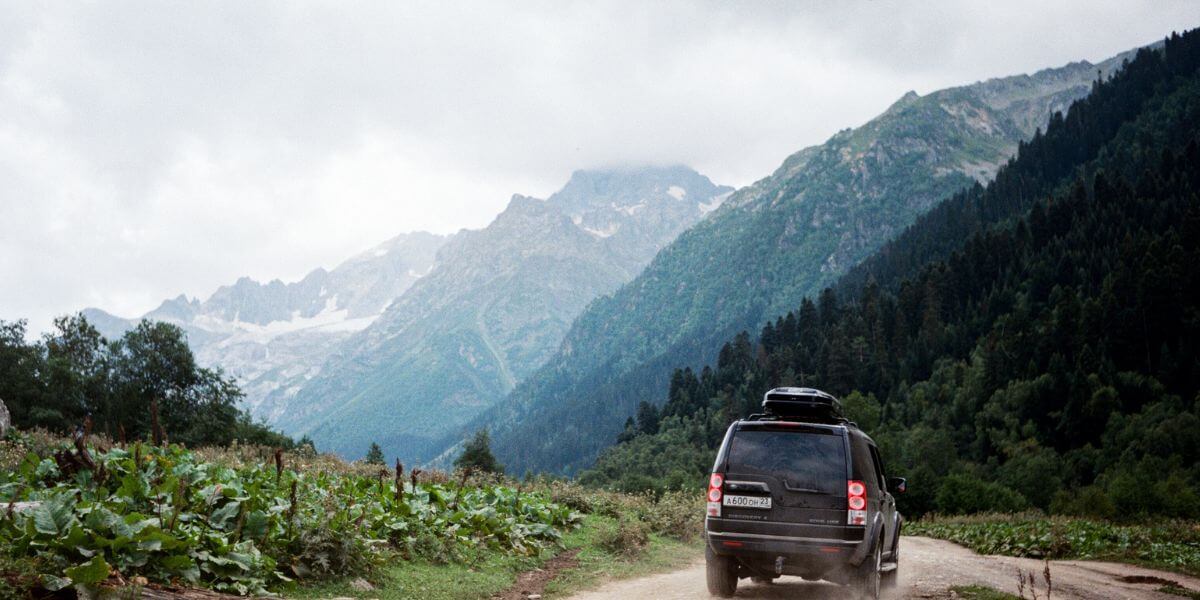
column 787, row 486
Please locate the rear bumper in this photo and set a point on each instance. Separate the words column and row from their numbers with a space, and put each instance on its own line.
column 757, row 547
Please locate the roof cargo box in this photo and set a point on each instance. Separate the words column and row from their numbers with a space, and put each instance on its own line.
column 803, row 403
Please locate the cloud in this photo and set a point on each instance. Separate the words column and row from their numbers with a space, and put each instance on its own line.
column 153, row 148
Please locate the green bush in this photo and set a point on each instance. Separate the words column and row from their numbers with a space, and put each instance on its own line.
column 627, row 537
column 677, row 514
column 965, row 494
column 1035, row 473
column 1090, row 501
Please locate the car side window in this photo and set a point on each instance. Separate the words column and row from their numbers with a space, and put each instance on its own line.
column 863, row 462
column 878, row 468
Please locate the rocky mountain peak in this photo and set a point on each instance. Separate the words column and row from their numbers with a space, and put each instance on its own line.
column 623, row 189
column 493, row 308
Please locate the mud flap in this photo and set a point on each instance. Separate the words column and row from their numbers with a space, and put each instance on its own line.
column 870, row 538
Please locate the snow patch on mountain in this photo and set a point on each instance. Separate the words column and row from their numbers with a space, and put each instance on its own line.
column 603, row 233
column 708, row 207
column 630, row 210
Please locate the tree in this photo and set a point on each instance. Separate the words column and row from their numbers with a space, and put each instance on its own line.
column 76, row 375
column 375, row 455
column 20, row 364
column 628, row 433
column 477, row 454
column 152, row 362
column 647, row 418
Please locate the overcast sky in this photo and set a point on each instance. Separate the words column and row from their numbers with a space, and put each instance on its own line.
column 151, row 149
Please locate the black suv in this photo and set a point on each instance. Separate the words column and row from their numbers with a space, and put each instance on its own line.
column 800, row 490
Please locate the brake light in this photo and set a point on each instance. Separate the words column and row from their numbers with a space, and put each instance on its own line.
column 856, row 501
column 715, row 482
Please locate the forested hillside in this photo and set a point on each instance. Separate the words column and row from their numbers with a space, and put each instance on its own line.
column 1031, row 343
column 822, row 211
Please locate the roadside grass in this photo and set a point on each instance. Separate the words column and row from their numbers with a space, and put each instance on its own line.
column 1167, row 545
column 979, row 592
column 483, row 574
column 480, row 576
column 598, row 563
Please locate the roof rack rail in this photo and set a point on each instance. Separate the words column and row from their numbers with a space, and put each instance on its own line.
column 760, row 417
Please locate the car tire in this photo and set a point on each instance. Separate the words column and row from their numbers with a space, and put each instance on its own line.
column 869, row 577
column 721, row 573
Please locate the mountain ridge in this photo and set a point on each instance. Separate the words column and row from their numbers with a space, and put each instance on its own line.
column 770, row 244
column 493, row 309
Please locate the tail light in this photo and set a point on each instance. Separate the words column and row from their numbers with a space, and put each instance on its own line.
column 715, row 481
column 856, row 502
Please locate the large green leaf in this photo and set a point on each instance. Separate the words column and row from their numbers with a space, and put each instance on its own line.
column 54, row 516
column 184, row 566
column 256, row 525
column 89, row 573
column 55, row 583
column 224, row 516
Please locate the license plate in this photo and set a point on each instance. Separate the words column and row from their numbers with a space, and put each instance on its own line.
column 748, row 501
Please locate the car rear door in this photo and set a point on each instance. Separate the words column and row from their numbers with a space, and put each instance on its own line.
column 801, row 468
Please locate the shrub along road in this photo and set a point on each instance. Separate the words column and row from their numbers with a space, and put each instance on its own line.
column 928, row 569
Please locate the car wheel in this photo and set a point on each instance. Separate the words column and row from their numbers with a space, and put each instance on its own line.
column 869, row 579
column 721, row 573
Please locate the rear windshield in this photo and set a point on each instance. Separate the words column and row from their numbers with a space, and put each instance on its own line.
column 804, row 459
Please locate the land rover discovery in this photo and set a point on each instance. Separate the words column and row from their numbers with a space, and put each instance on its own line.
column 800, row 490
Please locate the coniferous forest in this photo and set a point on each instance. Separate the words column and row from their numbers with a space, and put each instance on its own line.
column 1029, row 344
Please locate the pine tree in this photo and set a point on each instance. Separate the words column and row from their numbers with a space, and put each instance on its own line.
column 647, row 418
column 477, row 454
column 375, row 455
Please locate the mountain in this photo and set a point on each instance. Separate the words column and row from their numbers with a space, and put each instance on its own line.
column 785, row 237
column 1028, row 344
column 493, row 309
column 275, row 336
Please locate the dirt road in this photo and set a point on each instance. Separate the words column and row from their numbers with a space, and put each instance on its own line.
column 928, row 568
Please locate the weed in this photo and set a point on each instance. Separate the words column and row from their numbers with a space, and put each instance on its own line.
column 628, row 537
